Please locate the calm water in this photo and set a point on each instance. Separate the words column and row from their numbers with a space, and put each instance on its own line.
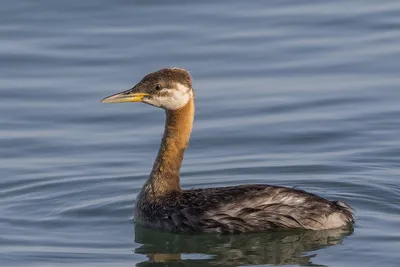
column 294, row 93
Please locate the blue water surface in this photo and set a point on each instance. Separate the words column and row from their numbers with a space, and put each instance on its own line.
column 292, row 93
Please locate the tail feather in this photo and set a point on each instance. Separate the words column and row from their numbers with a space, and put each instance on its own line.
column 346, row 210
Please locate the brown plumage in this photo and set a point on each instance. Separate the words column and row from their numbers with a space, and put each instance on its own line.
column 162, row 204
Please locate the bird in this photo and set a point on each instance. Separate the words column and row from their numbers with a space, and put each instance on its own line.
column 162, row 204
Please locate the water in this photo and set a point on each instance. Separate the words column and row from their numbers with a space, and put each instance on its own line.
column 293, row 93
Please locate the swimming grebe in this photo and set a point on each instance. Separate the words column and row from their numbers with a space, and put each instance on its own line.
column 162, row 204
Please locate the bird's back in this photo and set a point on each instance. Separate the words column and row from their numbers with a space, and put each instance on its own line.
column 245, row 208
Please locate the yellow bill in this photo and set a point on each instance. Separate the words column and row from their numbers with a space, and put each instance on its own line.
column 124, row 97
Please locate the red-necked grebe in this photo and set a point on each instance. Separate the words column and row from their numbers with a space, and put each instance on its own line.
column 162, row 204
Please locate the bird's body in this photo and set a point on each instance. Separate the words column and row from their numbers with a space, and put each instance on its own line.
column 244, row 208
column 162, row 204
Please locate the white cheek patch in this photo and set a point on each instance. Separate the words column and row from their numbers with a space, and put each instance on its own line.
column 174, row 99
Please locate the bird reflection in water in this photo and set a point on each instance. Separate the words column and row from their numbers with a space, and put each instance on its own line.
column 275, row 248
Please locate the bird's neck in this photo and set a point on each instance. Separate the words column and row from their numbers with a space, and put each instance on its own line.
column 165, row 176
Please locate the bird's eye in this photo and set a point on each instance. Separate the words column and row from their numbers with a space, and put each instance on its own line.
column 158, row 87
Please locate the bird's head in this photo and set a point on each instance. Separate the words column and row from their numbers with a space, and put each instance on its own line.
column 169, row 89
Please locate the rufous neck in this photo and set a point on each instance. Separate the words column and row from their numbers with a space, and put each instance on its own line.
column 165, row 175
